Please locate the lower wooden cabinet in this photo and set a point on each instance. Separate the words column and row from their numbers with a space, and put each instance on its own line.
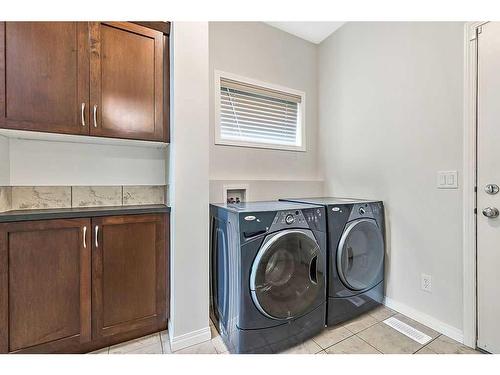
column 79, row 284
column 128, row 274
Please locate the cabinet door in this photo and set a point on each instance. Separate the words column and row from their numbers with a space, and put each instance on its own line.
column 45, row 277
column 44, row 76
column 129, row 279
column 126, row 90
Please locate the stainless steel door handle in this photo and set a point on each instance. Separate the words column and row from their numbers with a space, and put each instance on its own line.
column 85, row 237
column 83, row 114
column 491, row 189
column 95, row 115
column 97, row 236
column 491, row 212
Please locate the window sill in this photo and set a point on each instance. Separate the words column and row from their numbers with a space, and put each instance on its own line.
column 267, row 146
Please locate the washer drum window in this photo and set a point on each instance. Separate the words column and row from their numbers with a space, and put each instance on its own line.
column 287, row 275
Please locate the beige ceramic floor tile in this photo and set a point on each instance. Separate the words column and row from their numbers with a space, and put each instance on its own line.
column 150, row 349
column 165, row 342
column 360, row 323
column 389, row 341
column 445, row 345
column 206, row 347
column 352, row 345
column 382, row 313
column 219, row 345
column 422, row 328
column 331, row 336
column 101, row 351
column 137, row 344
column 321, row 352
column 307, row 347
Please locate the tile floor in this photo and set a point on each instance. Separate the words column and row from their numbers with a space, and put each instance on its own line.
column 364, row 335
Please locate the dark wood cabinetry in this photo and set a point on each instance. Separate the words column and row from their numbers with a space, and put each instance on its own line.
column 44, row 76
column 126, row 91
column 79, row 284
column 128, row 274
column 45, row 285
column 108, row 79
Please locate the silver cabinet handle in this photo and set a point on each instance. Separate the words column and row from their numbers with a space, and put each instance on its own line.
column 97, row 236
column 95, row 115
column 83, row 114
column 85, row 237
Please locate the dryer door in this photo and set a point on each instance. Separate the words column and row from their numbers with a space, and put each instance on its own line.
column 287, row 275
column 360, row 255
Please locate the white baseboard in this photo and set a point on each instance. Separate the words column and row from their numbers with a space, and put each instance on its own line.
column 188, row 339
column 437, row 325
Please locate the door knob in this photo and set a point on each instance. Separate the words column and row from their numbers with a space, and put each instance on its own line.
column 491, row 212
column 491, row 189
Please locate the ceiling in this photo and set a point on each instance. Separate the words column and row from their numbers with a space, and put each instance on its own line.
column 314, row 32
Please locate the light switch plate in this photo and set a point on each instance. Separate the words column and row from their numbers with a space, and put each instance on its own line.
column 447, row 180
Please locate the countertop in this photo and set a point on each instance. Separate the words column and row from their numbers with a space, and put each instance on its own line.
column 72, row 213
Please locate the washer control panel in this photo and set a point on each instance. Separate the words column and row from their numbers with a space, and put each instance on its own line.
column 289, row 218
column 310, row 218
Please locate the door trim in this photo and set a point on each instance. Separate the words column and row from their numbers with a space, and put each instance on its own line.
column 469, row 184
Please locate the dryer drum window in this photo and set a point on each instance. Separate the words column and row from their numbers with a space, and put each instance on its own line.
column 286, row 276
column 360, row 255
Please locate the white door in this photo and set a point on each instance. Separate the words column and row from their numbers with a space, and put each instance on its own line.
column 488, row 176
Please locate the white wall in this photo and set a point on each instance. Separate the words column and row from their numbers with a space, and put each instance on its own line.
column 266, row 190
column 36, row 162
column 390, row 117
column 189, row 176
column 4, row 161
column 259, row 51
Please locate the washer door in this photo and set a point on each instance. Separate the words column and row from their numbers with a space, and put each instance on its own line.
column 360, row 255
column 286, row 276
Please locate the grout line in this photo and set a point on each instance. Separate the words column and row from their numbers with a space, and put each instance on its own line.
column 423, row 346
column 338, row 342
column 359, row 337
column 161, row 343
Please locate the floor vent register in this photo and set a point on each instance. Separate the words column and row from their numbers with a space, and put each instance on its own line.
column 408, row 330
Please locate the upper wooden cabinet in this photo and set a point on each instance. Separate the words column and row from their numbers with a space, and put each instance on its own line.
column 126, row 91
column 108, row 79
column 44, row 76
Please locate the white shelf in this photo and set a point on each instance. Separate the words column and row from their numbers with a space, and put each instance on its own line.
column 54, row 137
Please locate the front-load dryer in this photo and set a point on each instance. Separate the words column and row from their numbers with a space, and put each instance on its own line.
column 356, row 254
column 268, row 276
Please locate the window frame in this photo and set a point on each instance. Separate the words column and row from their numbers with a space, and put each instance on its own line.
column 301, row 123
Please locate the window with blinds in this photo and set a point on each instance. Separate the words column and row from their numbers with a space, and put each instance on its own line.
column 258, row 116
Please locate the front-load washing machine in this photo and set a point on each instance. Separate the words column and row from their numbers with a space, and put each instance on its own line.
column 356, row 253
column 268, row 276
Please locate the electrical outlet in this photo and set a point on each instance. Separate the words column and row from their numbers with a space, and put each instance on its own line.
column 426, row 283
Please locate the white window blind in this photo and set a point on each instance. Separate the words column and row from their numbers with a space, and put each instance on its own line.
column 255, row 114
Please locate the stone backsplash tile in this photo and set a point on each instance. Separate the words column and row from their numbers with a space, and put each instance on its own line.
column 44, row 197
column 147, row 194
column 40, row 197
column 5, row 198
column 96, row 196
